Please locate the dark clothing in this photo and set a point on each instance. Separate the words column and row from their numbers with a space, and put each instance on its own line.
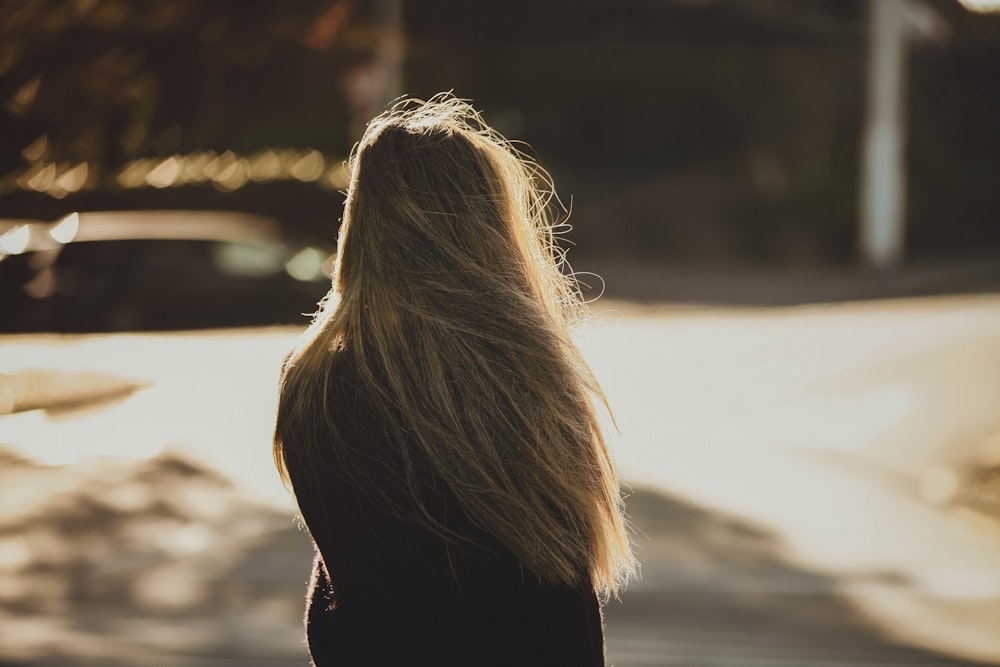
column 387, row 592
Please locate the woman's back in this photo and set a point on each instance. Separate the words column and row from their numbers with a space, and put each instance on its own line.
column 438, row 424
column 388, row 591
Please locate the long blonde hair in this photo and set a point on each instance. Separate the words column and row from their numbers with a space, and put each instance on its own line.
column 450, row 308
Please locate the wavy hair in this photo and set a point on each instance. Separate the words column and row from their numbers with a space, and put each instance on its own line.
column 451, row 310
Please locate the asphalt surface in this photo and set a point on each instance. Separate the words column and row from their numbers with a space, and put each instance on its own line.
column 779, row 460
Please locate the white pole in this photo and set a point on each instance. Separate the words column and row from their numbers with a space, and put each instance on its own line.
column 883, row 187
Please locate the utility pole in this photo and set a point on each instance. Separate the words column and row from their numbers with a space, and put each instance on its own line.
column 883, row 184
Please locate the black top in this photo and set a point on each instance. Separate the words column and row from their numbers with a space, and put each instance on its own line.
column 386, row 591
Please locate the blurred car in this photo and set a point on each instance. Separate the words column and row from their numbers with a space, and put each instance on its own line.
column 157, row 270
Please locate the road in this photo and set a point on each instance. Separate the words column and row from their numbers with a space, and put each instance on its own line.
column 781, row 462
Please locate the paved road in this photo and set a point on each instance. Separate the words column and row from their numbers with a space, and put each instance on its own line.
column 818, row 424
column 776, row 457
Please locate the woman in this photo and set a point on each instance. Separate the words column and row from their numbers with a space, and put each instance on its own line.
column 436, row 422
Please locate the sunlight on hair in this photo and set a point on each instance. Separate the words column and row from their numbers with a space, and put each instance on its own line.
column 448, row 246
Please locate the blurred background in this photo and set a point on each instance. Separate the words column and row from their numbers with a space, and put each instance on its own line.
column 790, row 207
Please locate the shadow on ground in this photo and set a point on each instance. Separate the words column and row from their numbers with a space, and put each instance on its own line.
column 717, row 590
column 156, row 562
column 163, row 563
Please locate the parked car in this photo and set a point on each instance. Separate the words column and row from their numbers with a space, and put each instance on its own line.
column 157, row 270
